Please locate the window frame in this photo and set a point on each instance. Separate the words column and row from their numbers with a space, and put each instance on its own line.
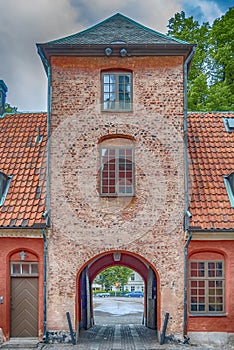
column 117, row 157
column 117, row 102
column 5, row 181
column 22, row 271
column 229, row 184
column 203, row 284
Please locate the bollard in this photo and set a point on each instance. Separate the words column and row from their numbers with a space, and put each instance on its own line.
column 162, row 338
column 70, row 327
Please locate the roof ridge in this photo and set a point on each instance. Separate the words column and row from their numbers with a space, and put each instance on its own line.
column 116, row 15
column 210, row 112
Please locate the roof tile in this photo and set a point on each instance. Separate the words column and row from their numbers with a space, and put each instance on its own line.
column 24, row 161
column 211, row 155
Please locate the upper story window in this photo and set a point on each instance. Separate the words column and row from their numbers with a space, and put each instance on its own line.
column 117, row 167
column 207, row 287
column 117, row 91
column 229, row 184
column 4, row 186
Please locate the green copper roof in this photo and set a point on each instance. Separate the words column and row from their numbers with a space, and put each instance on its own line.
column 117, row 29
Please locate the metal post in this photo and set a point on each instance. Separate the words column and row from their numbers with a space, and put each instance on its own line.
column 70, row 327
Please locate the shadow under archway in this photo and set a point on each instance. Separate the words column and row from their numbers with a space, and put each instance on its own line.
column 85, row 312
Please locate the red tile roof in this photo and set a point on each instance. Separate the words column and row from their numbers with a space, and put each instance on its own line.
column 23, row 155
column 211, row 150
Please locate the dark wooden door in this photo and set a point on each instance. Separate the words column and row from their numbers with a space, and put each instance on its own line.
column 24, row 307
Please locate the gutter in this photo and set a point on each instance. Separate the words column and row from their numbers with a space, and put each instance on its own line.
column 187, row 215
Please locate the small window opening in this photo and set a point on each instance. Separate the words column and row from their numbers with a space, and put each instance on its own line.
column 4, row 186
column 229, row 124
column 229, row 184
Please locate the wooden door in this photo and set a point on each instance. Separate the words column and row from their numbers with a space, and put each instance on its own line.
column 24, row 307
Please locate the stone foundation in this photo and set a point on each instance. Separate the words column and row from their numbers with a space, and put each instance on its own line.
column 55, row 337
column 209, row 338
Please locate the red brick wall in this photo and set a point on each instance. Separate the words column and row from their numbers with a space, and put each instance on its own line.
column 84, row 224
column 206, row 250
column 10, row 248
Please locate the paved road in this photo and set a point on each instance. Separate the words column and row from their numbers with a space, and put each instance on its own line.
column 118, row 326
column 118, row 310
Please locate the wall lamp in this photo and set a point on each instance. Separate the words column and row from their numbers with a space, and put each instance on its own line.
column 123, row 52
column 22, row 255
column 116, row 256
column 108, row 51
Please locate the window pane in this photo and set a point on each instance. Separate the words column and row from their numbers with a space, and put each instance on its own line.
column 25, row 268
column 16, row 268
column 197, row 269
column 34, row 268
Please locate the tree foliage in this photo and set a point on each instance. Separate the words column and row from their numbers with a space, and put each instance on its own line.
column 113, row 275
column 10, row 109
column 210, row 79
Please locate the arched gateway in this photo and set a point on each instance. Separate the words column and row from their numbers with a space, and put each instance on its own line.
column 86, row 275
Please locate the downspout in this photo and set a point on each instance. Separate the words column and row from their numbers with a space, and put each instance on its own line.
column 45, row 288
column 46, row 215
column 185, row 281
column 186, row 176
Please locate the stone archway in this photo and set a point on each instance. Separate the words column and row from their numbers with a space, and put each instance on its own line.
column 86, row 275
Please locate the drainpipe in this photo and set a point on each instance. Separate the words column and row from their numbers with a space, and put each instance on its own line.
column 187, row 214
column 185, row 281
column 46, row 215
column 45, row 287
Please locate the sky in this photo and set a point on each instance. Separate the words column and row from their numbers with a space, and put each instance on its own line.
column 23, row 23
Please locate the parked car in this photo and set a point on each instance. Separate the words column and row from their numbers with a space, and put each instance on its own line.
column 102, row 295
column 134, row 294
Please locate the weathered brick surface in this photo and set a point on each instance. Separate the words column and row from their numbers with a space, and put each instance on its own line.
column 84, row 224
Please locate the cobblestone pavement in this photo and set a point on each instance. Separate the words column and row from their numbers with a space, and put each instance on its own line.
column 113, row 337
column 125, row 337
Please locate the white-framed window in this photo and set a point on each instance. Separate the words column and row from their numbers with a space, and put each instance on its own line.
column 19, row 268
column 132, row 288
column 116, row 91
column 207, row 287
column 117, row 171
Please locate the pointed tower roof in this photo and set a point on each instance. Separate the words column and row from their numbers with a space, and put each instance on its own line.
column 117, row 31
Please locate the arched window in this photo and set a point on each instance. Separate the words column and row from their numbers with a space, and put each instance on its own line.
column 207, row 285
column 117, row 167
column 116, row 91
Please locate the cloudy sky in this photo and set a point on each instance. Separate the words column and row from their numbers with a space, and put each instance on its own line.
column 23, row 23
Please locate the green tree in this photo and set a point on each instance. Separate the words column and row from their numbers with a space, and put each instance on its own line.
column 221, row 51
column 10, row 109
column 111, row 275
column 188, row 30
column 210, row 79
